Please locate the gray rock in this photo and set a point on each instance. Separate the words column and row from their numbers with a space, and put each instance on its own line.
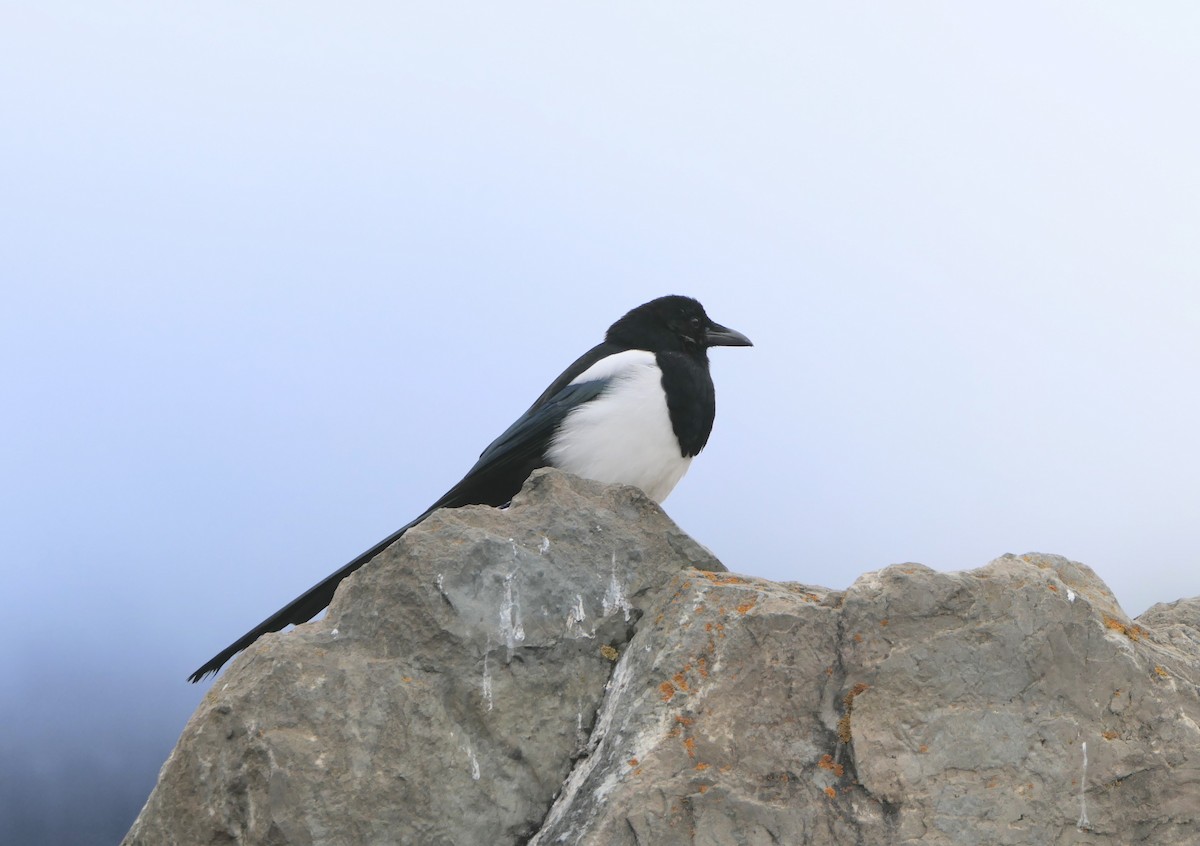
column 561, row 672
column 445, row 695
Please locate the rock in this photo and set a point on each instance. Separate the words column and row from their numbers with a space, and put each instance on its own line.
column 445, row 695
column 917, row 707
column 561, row 672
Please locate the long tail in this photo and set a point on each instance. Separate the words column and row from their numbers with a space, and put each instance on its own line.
column 494, row 480
column 301, row 609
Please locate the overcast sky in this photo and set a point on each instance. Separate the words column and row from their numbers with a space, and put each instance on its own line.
column 275, row 273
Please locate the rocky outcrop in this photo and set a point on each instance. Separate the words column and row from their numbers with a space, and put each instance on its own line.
column 576, row 670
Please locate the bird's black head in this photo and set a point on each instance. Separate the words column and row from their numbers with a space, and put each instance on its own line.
column 672, row 324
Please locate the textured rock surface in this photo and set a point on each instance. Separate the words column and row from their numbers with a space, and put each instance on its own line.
column 446, row 694
column 559, row 673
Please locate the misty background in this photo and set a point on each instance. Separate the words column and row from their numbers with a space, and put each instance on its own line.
column 273, row 274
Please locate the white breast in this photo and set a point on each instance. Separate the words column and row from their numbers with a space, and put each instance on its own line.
column 624, row 435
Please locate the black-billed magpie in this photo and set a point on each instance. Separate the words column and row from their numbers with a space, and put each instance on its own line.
column 634, row 409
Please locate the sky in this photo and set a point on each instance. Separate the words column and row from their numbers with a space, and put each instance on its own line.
column 273, row 274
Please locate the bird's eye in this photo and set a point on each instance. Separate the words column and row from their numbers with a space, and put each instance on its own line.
column 695, row 322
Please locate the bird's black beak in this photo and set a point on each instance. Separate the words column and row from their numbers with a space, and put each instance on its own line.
column 722, row 336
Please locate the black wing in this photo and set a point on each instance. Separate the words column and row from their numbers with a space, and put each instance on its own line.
column 494, row 480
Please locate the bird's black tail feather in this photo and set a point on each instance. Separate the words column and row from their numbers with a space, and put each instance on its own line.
column 494, row 484
column 494, row 480
column 301, row 609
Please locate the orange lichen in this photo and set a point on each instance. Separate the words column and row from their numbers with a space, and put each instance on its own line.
column 1132, row 631
column 855, row 691
column 827, row 763
column 922, row 748
column 633, row 762
column 609, row 652
column 702, row 766
column 830, row 792
column 667, row 690
column 1110, row 735
column 723, row 578
column 884, row 621
column 684, row 721
column 747, row 605
column 1053, row 588
column 703, row 788
column 702, row 667
column 680, row 681
column 843, row 727
column 689, row 743
column 1162, row 673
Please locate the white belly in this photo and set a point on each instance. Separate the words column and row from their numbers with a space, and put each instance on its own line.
column 624, row 435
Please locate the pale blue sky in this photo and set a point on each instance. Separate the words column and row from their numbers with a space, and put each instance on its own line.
column 275, row 273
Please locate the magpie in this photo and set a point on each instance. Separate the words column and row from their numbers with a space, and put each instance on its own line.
column 634, row 409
